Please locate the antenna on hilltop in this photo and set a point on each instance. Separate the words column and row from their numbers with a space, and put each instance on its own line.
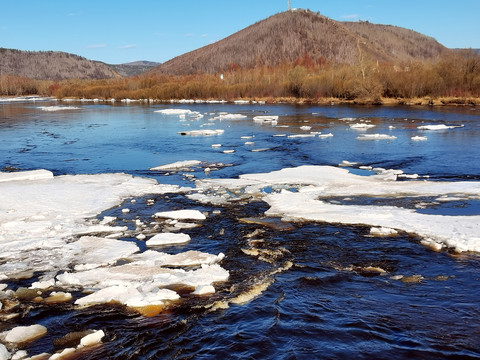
column 288, row 5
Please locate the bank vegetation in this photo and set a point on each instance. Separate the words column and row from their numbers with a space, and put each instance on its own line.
column 454, row 78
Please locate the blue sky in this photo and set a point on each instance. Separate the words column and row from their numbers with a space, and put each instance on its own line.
column 122, row 31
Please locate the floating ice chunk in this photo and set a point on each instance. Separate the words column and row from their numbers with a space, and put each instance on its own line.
column 361, row 126
column 229, row 117
column 26, row 175
column 23, row 334
column 187, row 258
column 168, row 239
column 438, row 127
column 204, row 290
column 306, row 128
column 241, row 102
column 181, row 215
column 376, row 137
column 347, row 163
column 216, row 145
column 419, row 138
column 260, row 150
column 301, row 136
column 92, row 339
column 324, row 136
column 206, row 132
column 247, row 137
column 43, row 284
column 177, row 165
column 175, row 111
column 228, row 151
column 57, row 108
column 251, row 143
column 91, row 252
column 266, row 119
column 382, row 231
column 348, row 119
column 4, row 354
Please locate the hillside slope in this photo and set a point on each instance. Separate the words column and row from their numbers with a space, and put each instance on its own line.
column 133, row 68
column 51, row 65
column 287, row 36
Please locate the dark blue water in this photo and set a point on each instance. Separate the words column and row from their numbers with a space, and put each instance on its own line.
column 332, row 303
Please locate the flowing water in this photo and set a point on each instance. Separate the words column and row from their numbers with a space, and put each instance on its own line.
column 317, row 290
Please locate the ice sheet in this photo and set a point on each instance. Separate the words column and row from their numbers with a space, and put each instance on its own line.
column 313, row 182
column 43, row 218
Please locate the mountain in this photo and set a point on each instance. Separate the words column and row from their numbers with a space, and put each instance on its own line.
column 133, row 68
column 294, row 34
column 51, row 65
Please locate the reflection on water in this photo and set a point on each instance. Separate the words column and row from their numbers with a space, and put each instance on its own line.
column 317, row 290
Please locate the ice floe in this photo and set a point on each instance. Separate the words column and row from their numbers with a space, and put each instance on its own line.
column 206, row 132
column 376, row 137
column 23, row 334
column 314, row 182
column 438, row 127
column 419, row 138
column 362, row 126
column 229, row 117
column 181, row 215
column 58, row 108
column 47, row 226
column 179, row 165
column 325, row 136
column 168, row 239
column 266, row 119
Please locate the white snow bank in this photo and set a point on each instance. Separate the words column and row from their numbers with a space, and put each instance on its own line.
column 58, row 108
column 177, row 165
column 181, row 215
column 419, row 138
column 438, row 127
column 376, row 137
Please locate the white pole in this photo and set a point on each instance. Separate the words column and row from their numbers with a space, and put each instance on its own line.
column 288, row 5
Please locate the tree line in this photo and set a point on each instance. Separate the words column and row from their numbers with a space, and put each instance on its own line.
column 454, row 77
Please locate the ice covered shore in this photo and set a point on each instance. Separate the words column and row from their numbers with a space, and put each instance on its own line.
column 44, row 220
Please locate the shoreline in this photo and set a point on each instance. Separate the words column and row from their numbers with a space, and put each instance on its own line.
column 426, row 101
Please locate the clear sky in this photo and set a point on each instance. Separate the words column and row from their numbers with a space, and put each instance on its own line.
column 119, row 31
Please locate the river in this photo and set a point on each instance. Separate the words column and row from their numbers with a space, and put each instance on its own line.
column 302, row 288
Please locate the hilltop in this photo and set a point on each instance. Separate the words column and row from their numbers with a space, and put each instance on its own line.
column 290, row 35
column 51, row 65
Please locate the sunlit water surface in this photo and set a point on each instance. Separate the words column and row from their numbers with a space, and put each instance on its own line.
column 331, row 303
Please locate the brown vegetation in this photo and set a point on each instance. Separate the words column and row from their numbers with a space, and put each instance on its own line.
column 454, row 78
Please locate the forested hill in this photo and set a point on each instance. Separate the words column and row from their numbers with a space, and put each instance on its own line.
column 51, row 65
column 290, row 35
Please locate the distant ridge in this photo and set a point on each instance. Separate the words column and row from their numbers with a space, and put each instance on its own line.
column 133, row 68
column 51, row 65
column 290, row 35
